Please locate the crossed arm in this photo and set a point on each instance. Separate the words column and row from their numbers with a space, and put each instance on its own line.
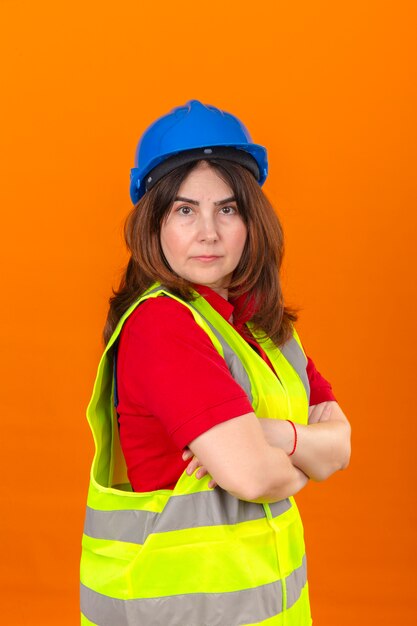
column 248, row 456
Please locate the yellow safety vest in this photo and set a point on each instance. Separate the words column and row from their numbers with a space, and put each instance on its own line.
column 194, row 556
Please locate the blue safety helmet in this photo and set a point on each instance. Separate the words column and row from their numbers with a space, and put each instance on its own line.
column 188, row 133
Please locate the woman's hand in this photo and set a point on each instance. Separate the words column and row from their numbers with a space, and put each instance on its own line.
column 320, row 412
column 193, row 465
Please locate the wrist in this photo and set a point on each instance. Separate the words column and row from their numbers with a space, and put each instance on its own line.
column 278, row 433
column 295, row 437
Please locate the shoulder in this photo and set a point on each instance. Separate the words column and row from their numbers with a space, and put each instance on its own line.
column 164, row 323
column 162, row 311
column 160, row 306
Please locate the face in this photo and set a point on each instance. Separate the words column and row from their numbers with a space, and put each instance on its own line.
column 203, row 235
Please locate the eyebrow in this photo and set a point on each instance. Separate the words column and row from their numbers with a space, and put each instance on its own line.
column 182, row 199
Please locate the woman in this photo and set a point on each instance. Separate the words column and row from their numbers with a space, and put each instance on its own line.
column 210, row 368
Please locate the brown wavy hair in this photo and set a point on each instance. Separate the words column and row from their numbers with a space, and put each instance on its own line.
column 257, row 274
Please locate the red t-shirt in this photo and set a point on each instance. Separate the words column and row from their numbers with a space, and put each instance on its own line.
column 173, row 386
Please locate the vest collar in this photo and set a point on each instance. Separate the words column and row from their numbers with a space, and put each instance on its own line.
column 227, row 308
column 219, row 304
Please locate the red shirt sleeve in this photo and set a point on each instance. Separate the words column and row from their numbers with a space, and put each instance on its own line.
column 168, row 368
column 320, row 388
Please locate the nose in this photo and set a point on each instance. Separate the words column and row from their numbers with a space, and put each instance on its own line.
column 207, row 232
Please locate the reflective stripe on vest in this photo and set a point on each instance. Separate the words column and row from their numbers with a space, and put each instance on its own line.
column 249, row 606
column 294, row 354
column 195, row 556
column 233, row 362
column 204, row 508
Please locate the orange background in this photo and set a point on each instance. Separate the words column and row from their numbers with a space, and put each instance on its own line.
column 331, row 91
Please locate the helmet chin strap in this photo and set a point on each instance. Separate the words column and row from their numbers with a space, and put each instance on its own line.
column 215, row 152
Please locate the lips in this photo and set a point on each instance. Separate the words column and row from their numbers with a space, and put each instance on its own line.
column 205, row 259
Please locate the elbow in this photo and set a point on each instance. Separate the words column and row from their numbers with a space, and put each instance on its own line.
column 325, row 472
column 340, row 460
column 347, row 448
column 254, row 492
column 248, row 488
column 261, row 493
column 264, row 480
column 346, row 457
column 264, row 486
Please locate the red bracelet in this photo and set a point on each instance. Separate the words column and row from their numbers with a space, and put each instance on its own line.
column 295, row 437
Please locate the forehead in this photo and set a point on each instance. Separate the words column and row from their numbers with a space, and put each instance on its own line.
column 203, row 180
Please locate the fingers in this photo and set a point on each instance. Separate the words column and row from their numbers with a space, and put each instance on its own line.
column 326, row 413
column 187, row 454
column 194, row 465
column 314, row 414
column 320, row 412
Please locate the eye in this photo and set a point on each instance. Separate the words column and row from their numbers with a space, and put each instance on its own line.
column 228, row 210
column 184, row 210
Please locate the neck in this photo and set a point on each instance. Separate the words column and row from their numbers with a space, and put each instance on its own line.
column 223, row 292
